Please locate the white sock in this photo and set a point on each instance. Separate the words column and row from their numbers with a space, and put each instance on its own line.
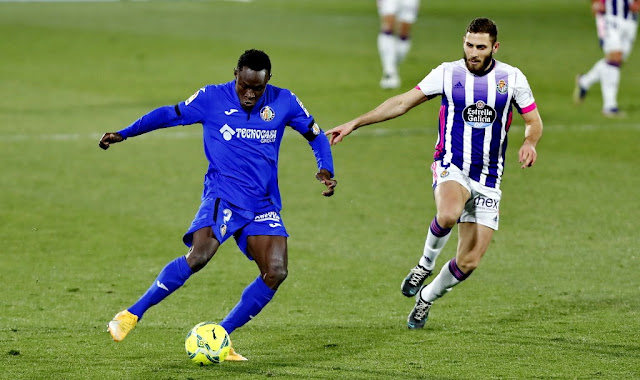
column 592, row 76
column 610, row 81
column 402, row 48
column 387, row 50
column 440, row 285
column 432, row 248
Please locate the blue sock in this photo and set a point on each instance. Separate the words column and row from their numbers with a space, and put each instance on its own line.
column 170, row 278
column 254, row 297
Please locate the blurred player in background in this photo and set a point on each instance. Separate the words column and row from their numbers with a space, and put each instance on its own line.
column 243, row 123
column 477, row 93
column 617, row 23
column 394, row 40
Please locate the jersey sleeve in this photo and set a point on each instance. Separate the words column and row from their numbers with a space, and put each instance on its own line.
column 432, row 84
column 303, row 123
column 193, row 110
column 522, row 94
column 185, row 113
column 299, row 118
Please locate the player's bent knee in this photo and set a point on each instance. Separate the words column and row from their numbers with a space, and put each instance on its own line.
column 275, row 276
column 199, row 256
column 447, row 219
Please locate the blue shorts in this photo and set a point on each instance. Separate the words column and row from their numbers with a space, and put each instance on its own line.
column 226, row 220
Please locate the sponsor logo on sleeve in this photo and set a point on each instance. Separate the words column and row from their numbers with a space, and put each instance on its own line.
column 192, row 97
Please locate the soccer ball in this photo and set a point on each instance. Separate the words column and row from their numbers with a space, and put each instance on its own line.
column 207, row 343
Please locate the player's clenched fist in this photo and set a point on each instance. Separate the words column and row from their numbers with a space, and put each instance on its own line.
column 109, row 138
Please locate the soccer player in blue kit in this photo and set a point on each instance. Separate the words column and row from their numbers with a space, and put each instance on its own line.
column 243, row 123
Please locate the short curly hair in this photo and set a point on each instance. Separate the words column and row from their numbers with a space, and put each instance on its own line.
column 256, row 60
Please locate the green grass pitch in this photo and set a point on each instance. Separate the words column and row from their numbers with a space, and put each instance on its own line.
column 84, row 232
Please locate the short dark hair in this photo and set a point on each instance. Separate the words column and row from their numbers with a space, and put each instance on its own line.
column 256, row 60
column 484, row 25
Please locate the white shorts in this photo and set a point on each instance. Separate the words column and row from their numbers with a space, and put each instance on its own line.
column 483, row 207
column 404, row 10
column 619, row 35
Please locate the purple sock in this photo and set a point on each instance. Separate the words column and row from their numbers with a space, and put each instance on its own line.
column 437, row 230
column 172, row 276
column 457, row 272
column 254, row 297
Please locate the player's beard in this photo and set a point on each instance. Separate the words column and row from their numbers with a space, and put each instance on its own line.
column 480, row 69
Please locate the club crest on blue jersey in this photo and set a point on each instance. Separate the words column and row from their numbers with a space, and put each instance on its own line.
column 267, row 113
column 502, row 87
column 479, row 115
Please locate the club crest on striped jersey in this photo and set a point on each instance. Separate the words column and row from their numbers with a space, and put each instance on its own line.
column 267, row 113
column 502, row 87
column 479, row 115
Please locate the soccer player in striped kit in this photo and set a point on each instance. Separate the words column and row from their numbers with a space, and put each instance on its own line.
column 620, row 28
column 477, row 94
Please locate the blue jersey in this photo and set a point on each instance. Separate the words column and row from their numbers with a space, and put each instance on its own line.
column 241, row 147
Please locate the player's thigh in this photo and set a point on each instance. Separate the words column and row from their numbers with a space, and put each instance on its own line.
column 450, row 198
column 204, row 238
column 473, row 241
column 269, row 252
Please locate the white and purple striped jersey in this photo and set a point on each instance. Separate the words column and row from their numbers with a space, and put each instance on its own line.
column 619, row 9
column 475, row 116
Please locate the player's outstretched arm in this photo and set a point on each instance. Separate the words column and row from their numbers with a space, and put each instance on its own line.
column 527, row 154
column 389, row 109
column 325, row 178
column 108, row 139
